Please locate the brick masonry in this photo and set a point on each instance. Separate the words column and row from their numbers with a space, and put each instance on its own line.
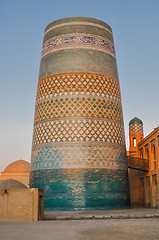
column 78, row 150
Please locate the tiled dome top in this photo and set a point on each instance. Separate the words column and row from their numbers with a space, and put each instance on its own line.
column 135, row 120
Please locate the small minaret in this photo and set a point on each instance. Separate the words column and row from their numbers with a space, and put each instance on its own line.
column 136, row 134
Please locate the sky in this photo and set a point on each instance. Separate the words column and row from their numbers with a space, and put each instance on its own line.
column 135, row 26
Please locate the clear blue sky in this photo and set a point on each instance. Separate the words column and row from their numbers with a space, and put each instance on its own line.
column 135, row 26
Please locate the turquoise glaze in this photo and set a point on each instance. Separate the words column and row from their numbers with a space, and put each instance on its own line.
column 77, row 61
column 82, row 189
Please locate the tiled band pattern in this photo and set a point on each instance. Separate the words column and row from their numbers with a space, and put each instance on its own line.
column 78, row 150
column 77, row 41
column 78, row 107
column 90, row 155
column 78, row 130
column 78, row 83
column 136, row 127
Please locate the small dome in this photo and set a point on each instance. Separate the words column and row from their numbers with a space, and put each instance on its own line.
column 135, row 120
column 11, row 183
column 19, row 166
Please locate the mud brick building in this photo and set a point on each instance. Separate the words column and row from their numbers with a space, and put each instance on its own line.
column 143, row 160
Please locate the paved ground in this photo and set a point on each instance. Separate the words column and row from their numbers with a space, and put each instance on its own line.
column 111, row 229
column 134, row 224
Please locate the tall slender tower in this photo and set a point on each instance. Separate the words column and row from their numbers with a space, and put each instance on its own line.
column 78, row 149
column 136, row 134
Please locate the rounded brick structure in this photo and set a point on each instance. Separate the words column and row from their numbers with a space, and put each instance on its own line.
column 78, row 149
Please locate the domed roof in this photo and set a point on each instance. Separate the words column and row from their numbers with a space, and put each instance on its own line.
column 135, row 120
column 11, row 183
column 19, row 166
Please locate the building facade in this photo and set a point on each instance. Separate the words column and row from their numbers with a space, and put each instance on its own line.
column 78, row 149
column 144, row 183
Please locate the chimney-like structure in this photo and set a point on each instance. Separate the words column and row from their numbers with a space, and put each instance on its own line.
column 78, row 149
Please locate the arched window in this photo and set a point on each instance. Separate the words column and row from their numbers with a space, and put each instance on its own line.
column 154, row 155
column 141, row 153
column 147, row 153
column 134, row 142
column 154, row 190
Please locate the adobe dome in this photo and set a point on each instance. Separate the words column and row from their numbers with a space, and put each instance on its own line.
column 135, row 120
column 19, row 166
column 11, row 183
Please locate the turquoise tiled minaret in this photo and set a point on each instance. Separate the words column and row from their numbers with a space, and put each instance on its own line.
column 78, row 149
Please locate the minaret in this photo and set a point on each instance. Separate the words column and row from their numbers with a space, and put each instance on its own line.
column 136, row 134
column 78, row 149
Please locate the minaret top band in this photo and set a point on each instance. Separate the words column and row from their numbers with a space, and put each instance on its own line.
column 78, row 20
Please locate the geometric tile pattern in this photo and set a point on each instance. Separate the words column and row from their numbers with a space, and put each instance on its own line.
column 78, row 148
column 78, row 41
column 78, row 107
column 89, row 156
column 78, row 130
column 135, row 127
column 78, row 83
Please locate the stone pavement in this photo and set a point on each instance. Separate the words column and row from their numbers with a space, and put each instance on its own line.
column 105, row 229
column 106, row 214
